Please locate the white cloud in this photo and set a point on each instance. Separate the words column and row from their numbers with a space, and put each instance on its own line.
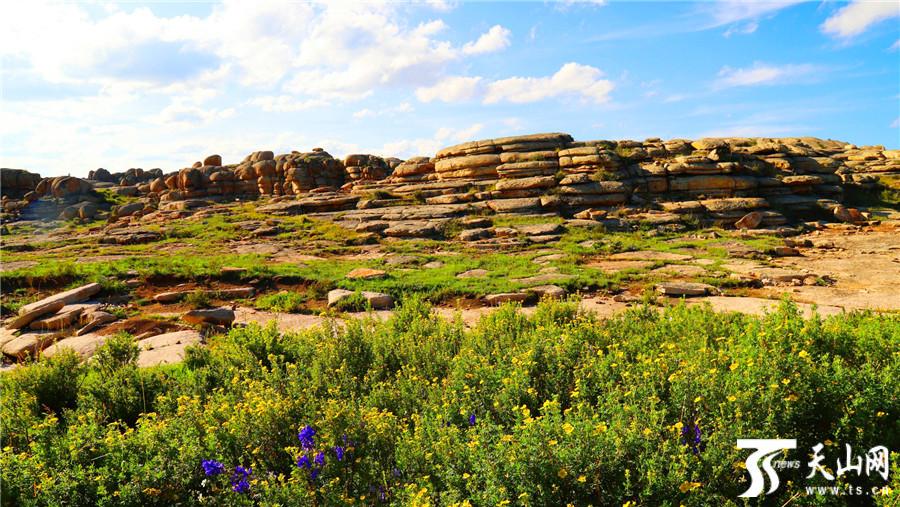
column 495, row 39
column 858, row 16
column 451, row 89
column 745, row 29
column 734, row 11
column 565, row 4
column 514, row 124
column 285, row 103
column 763, row 74
column 402, row 108
column 189, row 115
column 895, row 46
column 895, row 123
column 572, row 79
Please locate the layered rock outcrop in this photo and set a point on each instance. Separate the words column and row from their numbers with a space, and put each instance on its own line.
column 725, row 181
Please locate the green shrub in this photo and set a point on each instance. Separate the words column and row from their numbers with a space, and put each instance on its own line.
column 285, row 302
column 550, row 409
column 199, row 299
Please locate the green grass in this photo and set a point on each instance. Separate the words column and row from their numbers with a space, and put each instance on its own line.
column 551, row 409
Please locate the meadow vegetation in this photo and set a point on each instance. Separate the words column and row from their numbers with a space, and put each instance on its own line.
column 550, row 409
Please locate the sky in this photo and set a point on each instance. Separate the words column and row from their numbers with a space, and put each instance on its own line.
column 119, row 85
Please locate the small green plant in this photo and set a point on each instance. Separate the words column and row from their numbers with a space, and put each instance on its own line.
column 199, row 298
column 355, row 302
column 285, row 301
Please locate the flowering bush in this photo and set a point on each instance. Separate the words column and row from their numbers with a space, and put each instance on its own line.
column 550, row 409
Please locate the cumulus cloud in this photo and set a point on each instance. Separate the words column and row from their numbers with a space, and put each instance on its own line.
column 764, row 74
column 572, row 79
column 402, row 108
column 451, row 89
column 495, row 39
column 285, row 103
column 858, row 16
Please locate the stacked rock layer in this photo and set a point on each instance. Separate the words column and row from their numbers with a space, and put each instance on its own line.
column 721, row 180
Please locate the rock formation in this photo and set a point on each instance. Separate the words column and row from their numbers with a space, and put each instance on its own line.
column 743, row 182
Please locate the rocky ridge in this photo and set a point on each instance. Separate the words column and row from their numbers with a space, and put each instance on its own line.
column 743, row 182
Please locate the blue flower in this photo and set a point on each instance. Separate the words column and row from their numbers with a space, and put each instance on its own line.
column 691, row 436
column 339, row 453
column 320, row 459
column 212, row 467
column 314, row 474
column 240, row 482
column 472, row 420
column 303, row 462
column 306, row 437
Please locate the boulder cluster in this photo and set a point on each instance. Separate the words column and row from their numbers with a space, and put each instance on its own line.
column 747, row 182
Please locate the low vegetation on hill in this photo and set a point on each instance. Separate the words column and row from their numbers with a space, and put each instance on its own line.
column 550, row 409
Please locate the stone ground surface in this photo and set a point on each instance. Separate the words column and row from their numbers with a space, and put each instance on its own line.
column 828, row 269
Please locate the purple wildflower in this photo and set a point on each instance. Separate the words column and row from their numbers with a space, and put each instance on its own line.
column 319, row 460
column 240, row 479
column 306, row 437
column 314, row 473
column 339, row 453
column 212, row 467
column 303, row 462
column 472, row 420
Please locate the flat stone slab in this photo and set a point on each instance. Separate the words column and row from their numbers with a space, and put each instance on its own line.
column 547, row 291
column 377, row 300
column 214, row 316
column 686, row 289
column 84, row 345
column 505, row 297
column 53, row 304
column 28, row 344
column 541, row 229
column 166, row 348
column 474, row 273
column 366, row 274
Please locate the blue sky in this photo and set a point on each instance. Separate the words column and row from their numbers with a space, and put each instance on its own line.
column 92, row 84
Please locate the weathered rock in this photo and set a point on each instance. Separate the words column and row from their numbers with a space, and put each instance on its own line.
column 475, row 234
column 474, row 273
column 32, row 311
column 505, row 297
column 750, row 220
column 687, row 289
column 28, row 344
column 213, row 316
column 166, row 348
column 547, row 291
column 848, row 215
column 376, row 300
column 95, row 319
column 84, row 345
column 411, row 230
column 66, row 317
column 541, row 229
column 366, row 274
